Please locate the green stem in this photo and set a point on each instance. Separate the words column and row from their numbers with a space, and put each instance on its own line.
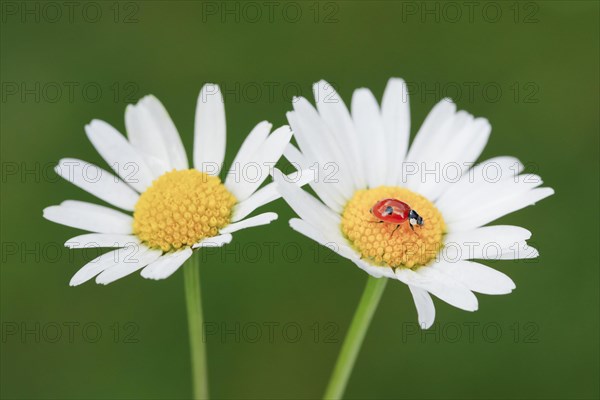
column 356, row 334
column 191, row 277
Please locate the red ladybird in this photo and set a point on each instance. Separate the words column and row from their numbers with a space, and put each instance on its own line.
column 396, row 212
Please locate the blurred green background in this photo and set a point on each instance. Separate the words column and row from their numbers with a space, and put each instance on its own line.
column 531, row 68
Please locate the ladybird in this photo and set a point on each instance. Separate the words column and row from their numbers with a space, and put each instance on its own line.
column 396, row 212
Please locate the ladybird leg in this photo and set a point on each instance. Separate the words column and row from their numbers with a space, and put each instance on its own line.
column 376, row 222
column 395, row 229
column 413, row 229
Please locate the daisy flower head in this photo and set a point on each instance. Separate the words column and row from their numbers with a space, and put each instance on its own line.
column 413, row 213
column 167, row 208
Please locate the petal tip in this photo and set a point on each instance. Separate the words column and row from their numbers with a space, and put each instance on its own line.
column 425, row 324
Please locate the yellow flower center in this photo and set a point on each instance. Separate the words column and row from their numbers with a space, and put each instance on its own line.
column 181, row 208
column 379, row 243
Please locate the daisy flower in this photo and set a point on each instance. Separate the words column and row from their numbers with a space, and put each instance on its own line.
column 414, row 214
column 169, row 210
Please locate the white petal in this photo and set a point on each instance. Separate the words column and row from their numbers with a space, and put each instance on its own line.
column 254, row 171
column 157, row 165
column 440, row 285
column 477, row 277
column 215, row 241
column 161, row 121
column 261, row 197
column 375, row 270
column 94, row 267
column 261, row 219
column 431, row 160
column 425, row 307
column 303, row 227
column 295, row 157
column 321, row 152
column 319, row 145
column 479, row 133
column 253, row 142
column 496, row 169
column 334, row 112
column 336, row 244
column 432, row 129
column 369, row 125
column 322, row 142
column 128, row 264
column 167, row 264
column 467, row 144
column 306, row 206
column 478, row 243
column 98, row 182
column 105, row 261
column 519, row 251
column 488, row 192
column 395, row 112
column 209, row 130
column 101, row 240
column 89, row 217
column 267, row 194
column 146, row 136
column 122, row 157
column 460, row 147
column 321, row 184
column 505, row 204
